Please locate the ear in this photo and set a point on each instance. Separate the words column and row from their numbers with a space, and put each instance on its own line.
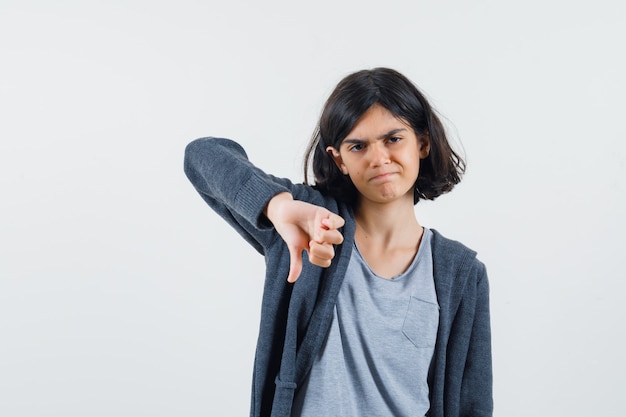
column 334, row 153
column 424, row 145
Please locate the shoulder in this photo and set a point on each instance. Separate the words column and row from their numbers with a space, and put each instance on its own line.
column 450, row 248
column 454, row 258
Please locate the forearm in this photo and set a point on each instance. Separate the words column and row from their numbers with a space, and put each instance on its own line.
column 274, row 207
column 233, row 187
column 220, row 171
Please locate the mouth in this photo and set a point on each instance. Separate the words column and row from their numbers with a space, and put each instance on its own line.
column 382, row 177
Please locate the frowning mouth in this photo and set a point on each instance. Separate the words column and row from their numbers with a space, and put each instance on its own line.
column 382, row 177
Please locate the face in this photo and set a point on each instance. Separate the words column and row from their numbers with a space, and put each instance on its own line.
column 382, row 156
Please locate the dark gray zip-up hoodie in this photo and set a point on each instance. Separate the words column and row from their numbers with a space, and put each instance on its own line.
column 296, row 317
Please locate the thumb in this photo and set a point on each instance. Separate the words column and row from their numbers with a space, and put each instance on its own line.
column 295, row 264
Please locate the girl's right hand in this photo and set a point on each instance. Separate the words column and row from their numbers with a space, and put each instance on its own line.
column 305, row 226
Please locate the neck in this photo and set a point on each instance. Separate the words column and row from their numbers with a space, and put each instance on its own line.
column 387, row 223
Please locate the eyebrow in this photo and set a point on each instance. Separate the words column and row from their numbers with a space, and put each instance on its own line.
column 383, row 136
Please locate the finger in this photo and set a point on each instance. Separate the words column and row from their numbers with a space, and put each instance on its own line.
column 321, row 254
column 295, row 264
column 328, row 232
column 324, row 263
column 333, row 221
column 329, row 236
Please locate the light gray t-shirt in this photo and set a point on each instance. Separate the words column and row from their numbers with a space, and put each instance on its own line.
column 377, row 354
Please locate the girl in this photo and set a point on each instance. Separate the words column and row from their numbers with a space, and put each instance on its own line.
column 364, row 311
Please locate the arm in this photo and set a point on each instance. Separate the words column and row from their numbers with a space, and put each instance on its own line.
column 232, row 186
column 476, row 391
column 249, row 199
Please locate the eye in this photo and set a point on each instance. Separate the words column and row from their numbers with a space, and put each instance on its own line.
column 356, row 147
column 394, row 139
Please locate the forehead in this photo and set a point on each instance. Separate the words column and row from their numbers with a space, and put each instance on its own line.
column 377, row 121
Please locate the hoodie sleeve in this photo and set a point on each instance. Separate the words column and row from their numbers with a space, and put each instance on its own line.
column 233, row 187
column 476, row 389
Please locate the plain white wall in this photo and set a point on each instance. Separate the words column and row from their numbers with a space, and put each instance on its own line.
column 122, row 294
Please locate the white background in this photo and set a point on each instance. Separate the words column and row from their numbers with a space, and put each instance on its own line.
column 122, row 294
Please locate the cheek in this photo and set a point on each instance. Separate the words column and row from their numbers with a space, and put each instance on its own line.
column 414, row 167
column 356, row 175
column 349, row 166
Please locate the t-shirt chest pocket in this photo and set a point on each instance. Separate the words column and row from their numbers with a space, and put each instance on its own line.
column 421, row 323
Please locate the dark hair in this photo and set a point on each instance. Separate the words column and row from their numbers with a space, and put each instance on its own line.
column 439, row 172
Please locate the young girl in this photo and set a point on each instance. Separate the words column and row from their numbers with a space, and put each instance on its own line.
column 364, row 312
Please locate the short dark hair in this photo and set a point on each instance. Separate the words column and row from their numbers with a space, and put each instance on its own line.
column 439, row 172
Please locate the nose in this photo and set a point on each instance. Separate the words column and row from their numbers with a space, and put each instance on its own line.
column 379, row 154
